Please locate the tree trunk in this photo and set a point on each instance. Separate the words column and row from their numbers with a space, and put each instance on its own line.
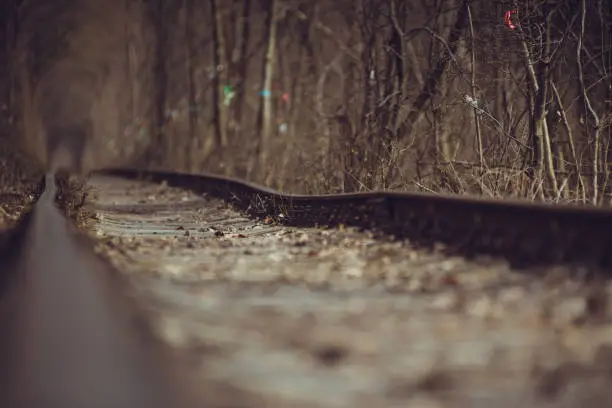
column 220, row 78
column 193, row 113
column 264, row 117
column 240, row 62
column 479, row 151
column 590, row 116
column 542, row 152
column 156, row 148
column 581, row 191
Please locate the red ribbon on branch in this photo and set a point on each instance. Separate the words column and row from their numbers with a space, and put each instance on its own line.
column 508, row 18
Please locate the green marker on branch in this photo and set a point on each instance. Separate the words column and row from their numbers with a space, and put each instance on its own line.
column 229, row 94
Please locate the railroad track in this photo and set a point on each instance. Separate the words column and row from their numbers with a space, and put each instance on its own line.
column 69, row 336
column 265, row 299
column 527, row 234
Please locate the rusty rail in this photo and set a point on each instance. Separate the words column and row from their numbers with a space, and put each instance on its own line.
column 55, row 295
column 527, row 234
column 69, row 337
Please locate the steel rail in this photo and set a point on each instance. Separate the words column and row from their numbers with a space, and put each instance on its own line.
column 69, row 337
column 527, row 234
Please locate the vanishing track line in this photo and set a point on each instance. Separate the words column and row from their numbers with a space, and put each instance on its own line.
column 527, row 234
column 69, row 335
column 262, row 307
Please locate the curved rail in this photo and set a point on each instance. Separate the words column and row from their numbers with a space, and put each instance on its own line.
column 527, row 234
column 63, row 309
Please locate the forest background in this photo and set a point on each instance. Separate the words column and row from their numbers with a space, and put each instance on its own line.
column 329, row 96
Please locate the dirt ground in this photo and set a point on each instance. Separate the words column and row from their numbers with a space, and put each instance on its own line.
column 337, row 318
column 19, row 183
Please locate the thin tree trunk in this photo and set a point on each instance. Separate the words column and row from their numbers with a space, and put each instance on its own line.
column 264, row 117
column 129, row 69
column 239, row 59
column 193, row 113
column 292, row 112
column 370, row 146
column 604, row 10
column 588, row 108
column 536, row 142
column 544, row 81
column 479, row 151
column 401, row 58
column 542, row 156
column 156, row 149
column 11, row 33
column 220, row 78
column 570, row 139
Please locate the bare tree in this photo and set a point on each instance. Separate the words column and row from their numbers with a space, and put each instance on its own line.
column 539, row 74
column 431, row 83
column 590, row 115
column 581, row 190
column 429, row 95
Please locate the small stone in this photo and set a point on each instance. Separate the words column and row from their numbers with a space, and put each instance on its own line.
column 483, row 308
column 512, row 295
column 353, row 272
column 445, row 301
column 568, row 311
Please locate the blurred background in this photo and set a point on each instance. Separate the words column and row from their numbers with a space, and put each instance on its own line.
column 490, row 97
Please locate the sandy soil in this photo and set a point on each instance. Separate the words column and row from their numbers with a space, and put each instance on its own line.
column 340, row 318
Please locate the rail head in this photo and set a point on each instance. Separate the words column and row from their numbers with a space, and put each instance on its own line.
column 204, row 180
column 524, row 233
